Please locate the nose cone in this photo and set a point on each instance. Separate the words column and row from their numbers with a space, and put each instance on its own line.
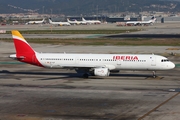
column 172, row 65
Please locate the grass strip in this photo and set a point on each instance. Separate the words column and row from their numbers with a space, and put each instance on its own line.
column 103, row 41
column 74, row 31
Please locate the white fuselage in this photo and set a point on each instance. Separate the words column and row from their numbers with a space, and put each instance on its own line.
column 91, row 21
column 110, row 61
column 59, row 23
column 36, row 22
column 75, row 22
column 141, row 22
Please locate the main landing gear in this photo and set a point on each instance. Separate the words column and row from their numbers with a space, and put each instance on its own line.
column 85, row 75
column 154, row 74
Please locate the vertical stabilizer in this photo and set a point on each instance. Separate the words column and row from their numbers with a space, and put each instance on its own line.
column 50, row 21
column 83, row 19
column 21, row 45
column 24, row 51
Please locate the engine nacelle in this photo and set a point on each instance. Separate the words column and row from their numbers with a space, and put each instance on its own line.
column 101, row 72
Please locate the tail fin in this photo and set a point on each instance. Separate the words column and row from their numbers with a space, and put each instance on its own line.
column 43, row 20
column 83, row 19
column 21, row 45
column 153, row 19
column 24, row 51
column 50, row 21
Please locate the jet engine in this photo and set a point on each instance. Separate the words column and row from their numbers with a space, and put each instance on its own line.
column 101, row 72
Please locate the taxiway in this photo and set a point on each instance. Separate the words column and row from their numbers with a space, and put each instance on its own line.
column 32, row 93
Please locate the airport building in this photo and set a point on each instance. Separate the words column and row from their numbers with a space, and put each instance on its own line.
column 23, row 18
column 167, row 19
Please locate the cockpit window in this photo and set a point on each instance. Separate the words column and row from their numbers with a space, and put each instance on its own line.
column 164, row 60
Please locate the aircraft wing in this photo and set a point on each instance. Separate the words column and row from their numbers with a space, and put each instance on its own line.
column 110, row 67
column 81, row 66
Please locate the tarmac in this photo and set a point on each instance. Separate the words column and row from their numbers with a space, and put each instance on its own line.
column 33, row 93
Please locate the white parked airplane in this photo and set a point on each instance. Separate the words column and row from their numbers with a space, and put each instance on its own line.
column 135, row 23
column 59, row 23
column 91, row 21
column 36, row 22
column 88, row 64
column 83, row 22
column 74, row 22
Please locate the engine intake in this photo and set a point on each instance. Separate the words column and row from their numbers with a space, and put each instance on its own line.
column 101, row 72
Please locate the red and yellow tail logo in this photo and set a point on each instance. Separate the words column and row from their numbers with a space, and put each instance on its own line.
column 21, row 45
column 24, row 51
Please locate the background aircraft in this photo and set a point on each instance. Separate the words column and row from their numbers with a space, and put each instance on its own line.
column 88, row 64
column 59, row 23
column 74, row 22
column 36, row 22
column 91, row 21
column 135, row 23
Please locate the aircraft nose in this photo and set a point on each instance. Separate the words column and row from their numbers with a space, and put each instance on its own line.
column 172, row 65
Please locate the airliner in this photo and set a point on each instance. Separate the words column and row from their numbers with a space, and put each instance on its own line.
column 91, row 21
column 88, row 64
column 75, row 22
column 135, row 23
column 59, row 23
column 36, row 22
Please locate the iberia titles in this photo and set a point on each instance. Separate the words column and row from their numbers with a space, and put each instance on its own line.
column 125, row 58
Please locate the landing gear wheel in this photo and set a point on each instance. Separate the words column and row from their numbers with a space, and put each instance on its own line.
column 85, row 75
column 154, row 74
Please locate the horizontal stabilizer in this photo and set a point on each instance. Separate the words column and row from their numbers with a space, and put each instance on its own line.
column 15, row 57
